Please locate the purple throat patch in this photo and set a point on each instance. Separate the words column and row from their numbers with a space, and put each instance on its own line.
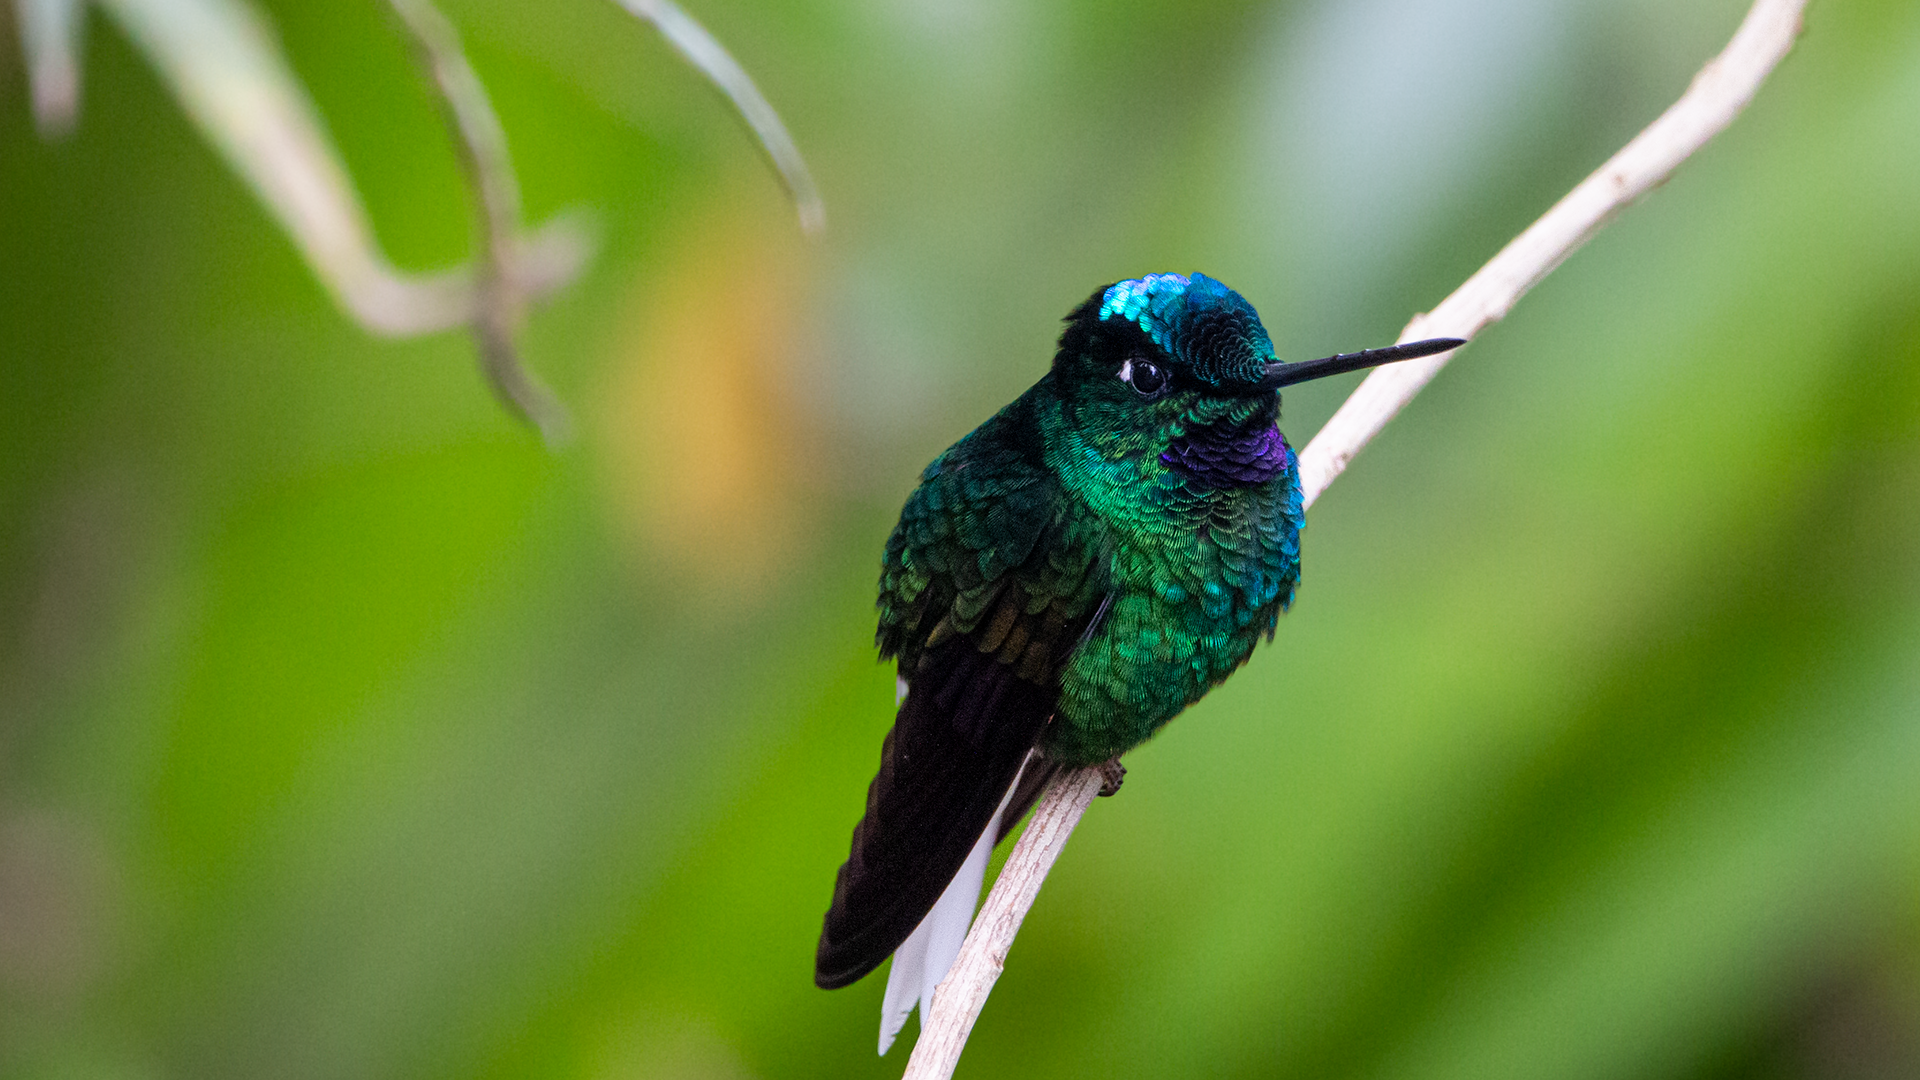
column 1222, row 456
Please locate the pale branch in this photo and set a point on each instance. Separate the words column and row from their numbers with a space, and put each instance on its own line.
column 226, row 70
column 50, row 39
column 704, row 51
column 489, row 169
column 223, row 65
column 1718, row 94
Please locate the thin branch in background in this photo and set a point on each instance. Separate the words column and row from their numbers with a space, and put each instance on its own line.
column 228, row 73
column 1718, row 94
column 705, row 53
column 483, row 156
column 50, row 38
column 224, row 67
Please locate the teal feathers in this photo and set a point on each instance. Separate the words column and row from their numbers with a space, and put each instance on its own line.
column 1078, row 495
column 1065, row 580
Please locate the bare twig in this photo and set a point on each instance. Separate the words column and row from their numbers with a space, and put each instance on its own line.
column 50, row 38
column 231, row 78
column 489, row 169
column 1718, row 94
column 705, row 53
column 227, row 71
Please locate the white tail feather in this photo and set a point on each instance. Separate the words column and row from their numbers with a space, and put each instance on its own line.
column 925, row 957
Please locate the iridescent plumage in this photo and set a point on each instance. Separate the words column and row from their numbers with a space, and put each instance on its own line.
column 1066, row 579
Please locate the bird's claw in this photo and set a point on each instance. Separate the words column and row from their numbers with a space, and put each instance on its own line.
column 1112, row 774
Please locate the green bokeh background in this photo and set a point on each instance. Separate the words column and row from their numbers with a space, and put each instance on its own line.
column 347, row 732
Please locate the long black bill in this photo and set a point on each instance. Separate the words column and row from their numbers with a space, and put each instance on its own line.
column 1279, row 375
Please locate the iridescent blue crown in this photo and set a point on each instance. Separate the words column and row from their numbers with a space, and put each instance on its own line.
column 1206, row 327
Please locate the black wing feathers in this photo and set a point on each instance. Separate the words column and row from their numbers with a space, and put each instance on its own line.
column 955, row 747
column 985, row 588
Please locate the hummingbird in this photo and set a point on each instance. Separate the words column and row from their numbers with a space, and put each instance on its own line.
column 1066, row 579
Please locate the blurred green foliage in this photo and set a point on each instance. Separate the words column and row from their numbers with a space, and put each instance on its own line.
column 346, row 732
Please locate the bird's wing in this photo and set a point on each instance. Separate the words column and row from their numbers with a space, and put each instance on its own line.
column 987, row 584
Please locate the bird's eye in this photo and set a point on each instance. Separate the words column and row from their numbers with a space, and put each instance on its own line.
column 1145, row 376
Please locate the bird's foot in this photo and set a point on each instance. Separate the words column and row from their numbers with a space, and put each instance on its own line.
column 1112, row 774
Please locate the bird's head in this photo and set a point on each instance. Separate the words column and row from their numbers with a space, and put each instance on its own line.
column 1165, row 349
column 1149, row 358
